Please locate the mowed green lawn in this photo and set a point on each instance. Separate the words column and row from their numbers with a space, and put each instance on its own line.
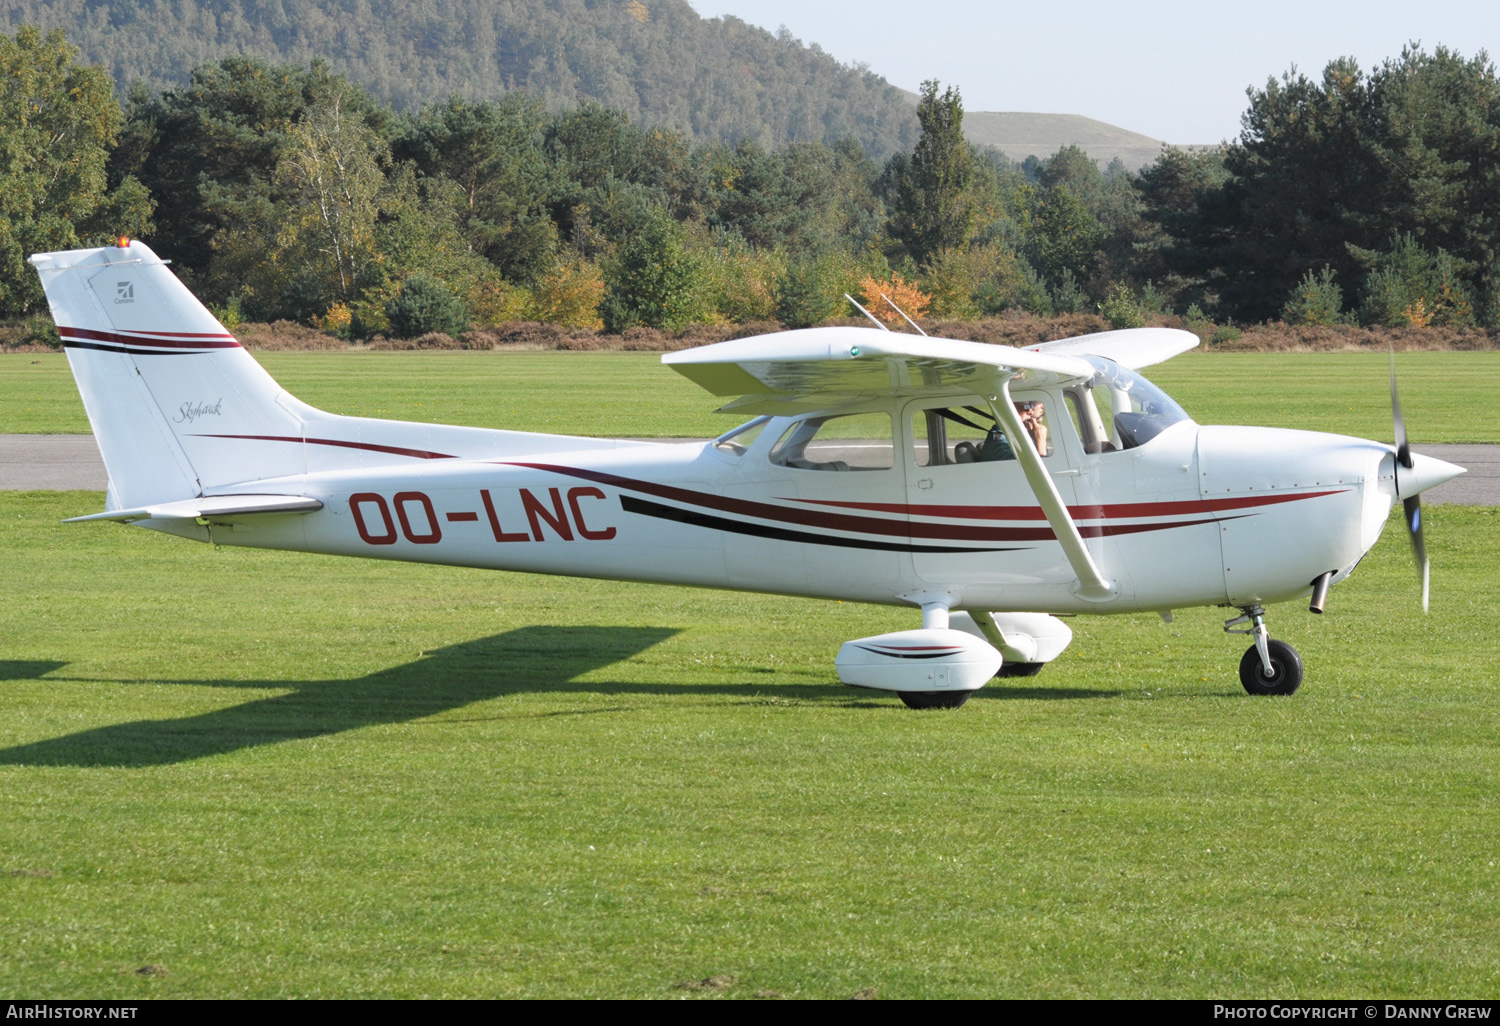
column 267, row 774
column 231, row 772
column 1447, row 397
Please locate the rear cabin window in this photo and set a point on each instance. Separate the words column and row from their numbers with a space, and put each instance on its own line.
column 851, row 441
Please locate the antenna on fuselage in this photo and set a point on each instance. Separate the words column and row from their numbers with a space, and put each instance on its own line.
column 903, row 314
column 878, row 323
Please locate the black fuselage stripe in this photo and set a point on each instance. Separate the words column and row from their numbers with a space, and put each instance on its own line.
column 907, row 655
column 645, row 507
column 69, row 343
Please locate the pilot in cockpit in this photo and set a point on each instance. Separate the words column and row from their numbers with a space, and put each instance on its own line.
column 1032, row 414
column 995, row 446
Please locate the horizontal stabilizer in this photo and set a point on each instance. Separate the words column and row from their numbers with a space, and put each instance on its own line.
column 209, row 508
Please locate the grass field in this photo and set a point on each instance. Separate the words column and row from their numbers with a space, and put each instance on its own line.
column 1447, row 397
column 241, row 773
column 229, row 772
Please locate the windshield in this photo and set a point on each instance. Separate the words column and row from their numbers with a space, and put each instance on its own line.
column 736, row 440
column 1136, row 410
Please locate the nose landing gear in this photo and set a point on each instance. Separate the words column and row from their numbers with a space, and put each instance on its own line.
column 1269, row 667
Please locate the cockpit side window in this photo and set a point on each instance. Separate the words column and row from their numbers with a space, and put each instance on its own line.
column 967, row 433
column 944, row 436
column 855, row 441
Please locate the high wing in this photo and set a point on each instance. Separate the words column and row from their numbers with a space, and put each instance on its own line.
column 792, row 372
column 1133, row 348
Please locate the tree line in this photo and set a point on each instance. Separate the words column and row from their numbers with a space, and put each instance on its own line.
column 287, row 191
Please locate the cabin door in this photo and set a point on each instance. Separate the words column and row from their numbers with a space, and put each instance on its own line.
column 974, row 519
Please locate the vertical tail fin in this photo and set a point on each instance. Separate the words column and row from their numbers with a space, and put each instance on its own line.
column 180, row 410
column 162, row 381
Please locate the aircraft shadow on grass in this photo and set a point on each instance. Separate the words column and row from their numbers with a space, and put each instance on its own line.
column 28, row 669
column 532, row 659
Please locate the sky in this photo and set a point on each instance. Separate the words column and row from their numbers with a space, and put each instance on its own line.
column 1175, row 70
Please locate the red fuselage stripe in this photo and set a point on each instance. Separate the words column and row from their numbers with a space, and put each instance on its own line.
column 394, row 450
column 154, row 340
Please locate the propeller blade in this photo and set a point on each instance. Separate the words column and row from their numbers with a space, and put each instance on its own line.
column 1403, row 448
column 1412, row 508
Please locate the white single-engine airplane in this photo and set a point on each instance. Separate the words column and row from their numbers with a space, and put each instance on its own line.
column 994, row 489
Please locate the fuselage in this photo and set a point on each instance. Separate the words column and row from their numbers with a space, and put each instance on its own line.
column 1192, row 516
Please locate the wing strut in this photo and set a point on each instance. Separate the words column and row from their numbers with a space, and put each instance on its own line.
column 1092, row 585
column 902, row 312
column 878, row 323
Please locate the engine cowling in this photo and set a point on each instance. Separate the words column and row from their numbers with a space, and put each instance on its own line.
column 927, row 659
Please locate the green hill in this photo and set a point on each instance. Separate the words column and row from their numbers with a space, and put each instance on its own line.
column 656, row 60
column 1019, row 136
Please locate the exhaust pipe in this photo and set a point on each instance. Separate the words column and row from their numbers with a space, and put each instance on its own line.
column 1320, row 592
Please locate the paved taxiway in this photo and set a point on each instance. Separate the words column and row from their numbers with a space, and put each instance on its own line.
column 66, row 462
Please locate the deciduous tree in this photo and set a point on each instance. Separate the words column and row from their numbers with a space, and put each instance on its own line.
column 332, row 165
column 58, row 119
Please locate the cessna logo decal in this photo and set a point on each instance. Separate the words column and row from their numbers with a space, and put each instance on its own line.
column 124, row 292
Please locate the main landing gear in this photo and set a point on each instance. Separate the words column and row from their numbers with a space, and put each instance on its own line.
column 1269, row 667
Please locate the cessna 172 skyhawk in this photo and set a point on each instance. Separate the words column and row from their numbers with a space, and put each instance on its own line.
column 994, row 489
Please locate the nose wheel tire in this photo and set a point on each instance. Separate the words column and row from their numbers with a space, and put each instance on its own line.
column 934, row 699
column 1286, row 670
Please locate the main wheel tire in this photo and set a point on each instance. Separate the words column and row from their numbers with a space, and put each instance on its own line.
column 1286, row 670
column 1020, row 669
column 934, row 699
